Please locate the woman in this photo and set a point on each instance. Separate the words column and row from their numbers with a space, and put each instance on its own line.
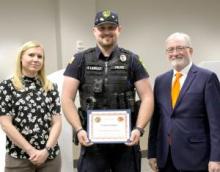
column 30, row 115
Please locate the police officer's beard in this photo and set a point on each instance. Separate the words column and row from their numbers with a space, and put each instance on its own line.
column 106, row 45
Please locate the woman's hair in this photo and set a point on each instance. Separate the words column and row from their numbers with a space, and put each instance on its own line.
column 17, row 77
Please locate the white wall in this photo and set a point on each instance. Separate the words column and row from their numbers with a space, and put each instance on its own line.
column 76, row 21
column 22, row 21
column 147, row 23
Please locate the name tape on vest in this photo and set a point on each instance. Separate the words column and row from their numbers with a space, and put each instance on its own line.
column 119, row 67
column 94, row 68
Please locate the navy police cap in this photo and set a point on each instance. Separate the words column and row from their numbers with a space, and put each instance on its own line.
column 106, row 16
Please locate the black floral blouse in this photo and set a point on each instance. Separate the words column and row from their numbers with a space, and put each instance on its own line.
column 31, row 109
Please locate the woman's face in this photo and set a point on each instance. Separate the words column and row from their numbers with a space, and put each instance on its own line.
column 32, row 61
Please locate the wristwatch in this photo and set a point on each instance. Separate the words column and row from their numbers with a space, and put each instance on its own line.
column 141, row 130
column 49, row 150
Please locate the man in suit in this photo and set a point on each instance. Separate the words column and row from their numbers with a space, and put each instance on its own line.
column 185, row 128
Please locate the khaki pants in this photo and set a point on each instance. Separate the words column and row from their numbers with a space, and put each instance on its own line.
column 24, row 165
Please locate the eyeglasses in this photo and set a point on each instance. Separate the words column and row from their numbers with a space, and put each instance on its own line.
column 178, row 49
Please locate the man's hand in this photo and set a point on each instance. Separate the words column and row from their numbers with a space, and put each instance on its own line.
column 83, row 138
column 135, row 137
column 214, row 166
column 153, row 164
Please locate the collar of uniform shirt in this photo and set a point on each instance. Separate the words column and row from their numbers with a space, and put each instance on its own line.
column 184, row 73
column 98, row 51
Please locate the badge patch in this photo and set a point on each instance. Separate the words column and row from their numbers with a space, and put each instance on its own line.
column 123, row 57
column 106, row 13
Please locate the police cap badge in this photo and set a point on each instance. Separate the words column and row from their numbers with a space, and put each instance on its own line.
column 106, row 16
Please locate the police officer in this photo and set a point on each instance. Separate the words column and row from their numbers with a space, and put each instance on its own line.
column 107, row 77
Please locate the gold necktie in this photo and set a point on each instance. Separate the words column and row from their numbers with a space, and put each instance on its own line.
column 176, row 89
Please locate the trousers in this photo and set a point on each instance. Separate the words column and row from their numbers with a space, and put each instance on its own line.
column 24, row 165
column 110, row 157
column 169, row 167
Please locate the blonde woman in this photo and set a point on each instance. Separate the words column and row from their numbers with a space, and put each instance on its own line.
column 30, row 114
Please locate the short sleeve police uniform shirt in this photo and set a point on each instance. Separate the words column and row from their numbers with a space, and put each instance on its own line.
column 74, row 69
column 31, row 110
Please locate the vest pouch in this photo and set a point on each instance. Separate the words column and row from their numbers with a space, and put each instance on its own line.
column 98, row 86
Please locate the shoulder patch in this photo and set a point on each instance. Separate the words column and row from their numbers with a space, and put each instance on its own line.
column 141, row 61
column 71, row 60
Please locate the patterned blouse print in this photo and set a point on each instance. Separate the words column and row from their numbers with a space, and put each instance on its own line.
column 31, row 110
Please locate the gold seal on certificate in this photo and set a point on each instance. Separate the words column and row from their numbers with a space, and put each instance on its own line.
column 108, row 126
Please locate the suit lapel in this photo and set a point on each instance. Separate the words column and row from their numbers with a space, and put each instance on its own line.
column 190, row 77
column 167, row 91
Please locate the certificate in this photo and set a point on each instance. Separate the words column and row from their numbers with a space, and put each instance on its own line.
column 108, row 126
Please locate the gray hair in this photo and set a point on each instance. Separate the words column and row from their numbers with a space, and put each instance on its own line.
column 180, row 35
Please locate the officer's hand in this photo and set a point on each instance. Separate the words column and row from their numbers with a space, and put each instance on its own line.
column 134, row 139
column 83, row 138
column 153, row 164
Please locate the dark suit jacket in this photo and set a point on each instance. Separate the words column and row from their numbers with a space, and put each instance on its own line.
column 193, row 124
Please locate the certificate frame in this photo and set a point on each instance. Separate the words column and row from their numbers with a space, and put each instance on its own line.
column 109, row 126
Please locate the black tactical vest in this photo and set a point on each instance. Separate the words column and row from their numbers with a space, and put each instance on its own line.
column 106, row 84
